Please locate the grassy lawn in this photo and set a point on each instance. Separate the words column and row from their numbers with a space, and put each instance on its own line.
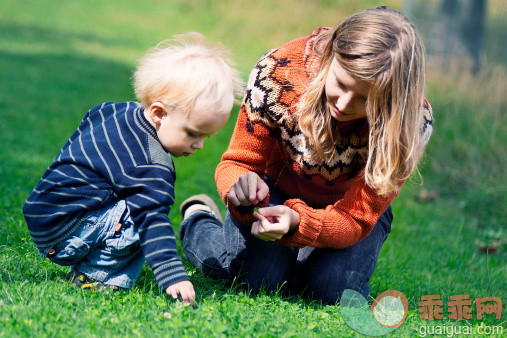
column 60, row 58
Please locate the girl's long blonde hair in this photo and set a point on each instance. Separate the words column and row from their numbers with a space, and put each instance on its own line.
column 381, row 47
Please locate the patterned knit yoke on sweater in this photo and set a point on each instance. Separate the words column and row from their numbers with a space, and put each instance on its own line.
column 114, row 154
column 336, row 207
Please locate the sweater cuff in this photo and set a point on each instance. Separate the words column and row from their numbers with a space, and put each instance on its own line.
column 310, row 225
column 169, row 274
column 244, row 214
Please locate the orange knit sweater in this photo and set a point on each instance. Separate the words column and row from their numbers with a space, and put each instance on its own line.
column 336, row 207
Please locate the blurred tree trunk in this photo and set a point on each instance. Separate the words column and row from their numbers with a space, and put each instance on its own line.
column 450, row 28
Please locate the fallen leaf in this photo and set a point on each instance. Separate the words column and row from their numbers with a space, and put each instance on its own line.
column 487, row 248
column 426, row 196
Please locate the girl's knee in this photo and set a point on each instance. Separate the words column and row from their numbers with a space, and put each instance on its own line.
column 329, row 287
column 269, row 272
column 271, row 282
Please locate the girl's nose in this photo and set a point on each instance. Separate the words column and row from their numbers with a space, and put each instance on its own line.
column 345, row 102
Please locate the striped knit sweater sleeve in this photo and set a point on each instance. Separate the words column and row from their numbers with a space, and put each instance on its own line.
column 336, row 207
column 114, row 154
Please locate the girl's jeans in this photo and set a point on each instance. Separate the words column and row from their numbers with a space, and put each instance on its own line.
column 100, row 250
column 230, row 251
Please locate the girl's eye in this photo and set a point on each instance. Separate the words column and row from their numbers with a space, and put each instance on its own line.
column 190, row 134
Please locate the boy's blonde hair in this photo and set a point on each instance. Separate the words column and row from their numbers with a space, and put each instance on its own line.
column 178, row 71
column 381, row 47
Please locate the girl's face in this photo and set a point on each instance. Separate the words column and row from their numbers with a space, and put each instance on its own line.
column 345, row 96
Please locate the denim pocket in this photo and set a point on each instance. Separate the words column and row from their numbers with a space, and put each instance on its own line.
column 70, row 251
column 124, row 241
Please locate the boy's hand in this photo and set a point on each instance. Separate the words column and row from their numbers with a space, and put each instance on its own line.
column 185, row 289
column 249, row 189
column 274, row 222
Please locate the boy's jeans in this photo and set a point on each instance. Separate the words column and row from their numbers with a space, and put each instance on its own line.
column 230, row 251
column 102, row 252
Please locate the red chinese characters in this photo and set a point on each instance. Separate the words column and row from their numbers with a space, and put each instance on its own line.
column 459, row 307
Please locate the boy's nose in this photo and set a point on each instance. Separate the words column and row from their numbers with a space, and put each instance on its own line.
column 198, row 145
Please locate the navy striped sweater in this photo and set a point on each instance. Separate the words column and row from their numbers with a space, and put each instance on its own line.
column 114, row 154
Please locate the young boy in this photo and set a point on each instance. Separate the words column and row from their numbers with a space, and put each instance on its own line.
column 102, row 206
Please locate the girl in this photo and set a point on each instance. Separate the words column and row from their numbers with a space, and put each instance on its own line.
column 330, row 127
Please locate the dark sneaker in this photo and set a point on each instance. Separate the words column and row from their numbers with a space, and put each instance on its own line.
column 205, row 203
column 84, row 282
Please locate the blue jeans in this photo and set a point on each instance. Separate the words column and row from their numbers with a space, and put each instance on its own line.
column 100, row 250
column 230, row 251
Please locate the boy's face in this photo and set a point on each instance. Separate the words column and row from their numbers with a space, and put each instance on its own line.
column 182, row 133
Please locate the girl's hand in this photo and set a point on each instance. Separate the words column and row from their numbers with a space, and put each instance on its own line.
column 250, row 189
column 274, row 222
column 184, row 289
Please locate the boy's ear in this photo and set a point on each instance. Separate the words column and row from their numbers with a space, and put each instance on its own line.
column 157, row 112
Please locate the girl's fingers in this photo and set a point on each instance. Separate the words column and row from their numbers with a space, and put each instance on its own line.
column 264, row 232
column 259, row 216
column 257, row 228
column 242, row 195
column 275, row 211
column 270, row 224
column 265, row 226
column 233, row 198
column 239, row 194
column 249, row 189
column 266, row 219
column 252, row 187
column 262, row 190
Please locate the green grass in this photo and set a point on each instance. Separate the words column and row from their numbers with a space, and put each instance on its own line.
column 60, row 58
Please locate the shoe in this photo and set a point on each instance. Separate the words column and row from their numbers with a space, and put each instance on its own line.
column 84, row 282
column 201, row 202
